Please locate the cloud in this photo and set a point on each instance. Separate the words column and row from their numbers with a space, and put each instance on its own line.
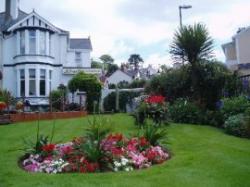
column 157, row 59
column 122, row 27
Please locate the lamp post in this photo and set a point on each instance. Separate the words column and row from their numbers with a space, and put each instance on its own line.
column 180, row 13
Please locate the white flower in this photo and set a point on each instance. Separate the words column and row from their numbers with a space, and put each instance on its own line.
column 127, row 169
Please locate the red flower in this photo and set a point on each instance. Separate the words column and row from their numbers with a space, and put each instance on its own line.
column 143, row 141
column 116, row 151
column 48, row 147
column 151, row 155
column 155, row 99
column 92, row 167
column 2, row 105
column 117, row 137
column 67, row 150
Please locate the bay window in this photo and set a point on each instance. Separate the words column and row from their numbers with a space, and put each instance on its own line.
column 36, row 42
column 36, row 83
column 22, row 42
column 42, row 82
column 42, row 43
column 32, row 82
column 32, row 41
column 22, row 83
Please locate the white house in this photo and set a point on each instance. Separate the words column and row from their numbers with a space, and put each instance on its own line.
column 119, row 76
column 237, row 52
column 36, row 56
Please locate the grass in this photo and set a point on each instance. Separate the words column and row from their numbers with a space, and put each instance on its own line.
column 202, row 156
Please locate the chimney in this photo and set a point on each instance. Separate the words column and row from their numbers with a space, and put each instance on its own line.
column 11, row 9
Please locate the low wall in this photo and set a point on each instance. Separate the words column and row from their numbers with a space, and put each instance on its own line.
column 22, row 117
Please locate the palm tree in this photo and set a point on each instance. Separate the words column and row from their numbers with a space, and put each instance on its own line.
column 192, row 44
column 135, row 60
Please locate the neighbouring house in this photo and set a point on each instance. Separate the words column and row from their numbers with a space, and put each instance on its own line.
column 119, row 76
column 128, row 75
column 238, row 54
column 36, row 56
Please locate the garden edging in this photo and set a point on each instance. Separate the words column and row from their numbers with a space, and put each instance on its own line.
column 24, row 117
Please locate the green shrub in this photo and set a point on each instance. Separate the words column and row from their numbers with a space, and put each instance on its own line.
column 138, row 83
column 234, row 106
column 140, row 114
column 153, row 134
column 88, row 83
column 125, row 98
column 236, row 125
column 183, row 111
column 56, row 97
column 213, row 118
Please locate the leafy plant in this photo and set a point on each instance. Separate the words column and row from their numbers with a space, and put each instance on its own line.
column 92, row 151
column 124, row 99
column 99, row 127
column 153, row 134
column 183, row 111
column 234, row 106
column 88, row 83
column 235, row 125
column 32, row 147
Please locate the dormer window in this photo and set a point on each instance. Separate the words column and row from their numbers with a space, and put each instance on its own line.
column 32, row 42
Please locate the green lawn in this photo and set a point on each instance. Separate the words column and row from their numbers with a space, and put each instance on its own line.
column 202, row 156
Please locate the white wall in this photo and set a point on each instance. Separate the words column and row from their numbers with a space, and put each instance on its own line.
column 85, row 59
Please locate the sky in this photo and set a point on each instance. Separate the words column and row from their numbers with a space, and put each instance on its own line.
column 145, row 27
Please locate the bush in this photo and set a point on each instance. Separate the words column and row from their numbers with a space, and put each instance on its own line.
column 56, row 98
column 153, row 134
column 125, row 98
column 153, row 107
column 138, row 83
column 88, row 83
column 73, row 107
column 234, row 106
column 236, row 125
column 183, row 111
column 213, row 118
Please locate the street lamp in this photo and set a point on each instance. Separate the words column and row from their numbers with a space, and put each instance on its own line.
column 180, row 13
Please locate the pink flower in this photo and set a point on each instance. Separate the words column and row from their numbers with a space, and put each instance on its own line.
column 32, row 167
column 138, row 159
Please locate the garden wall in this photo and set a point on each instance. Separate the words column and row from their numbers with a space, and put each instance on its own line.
column 22, row 117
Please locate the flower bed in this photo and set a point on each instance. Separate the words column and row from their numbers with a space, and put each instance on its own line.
column 114, row 152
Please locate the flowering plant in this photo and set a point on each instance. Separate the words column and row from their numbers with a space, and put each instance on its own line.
column 153, row 107
column 84, row 156
column 155, row 99
column 2, row 105
column 19, row 105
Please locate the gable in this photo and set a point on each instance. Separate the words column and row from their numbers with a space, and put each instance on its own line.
column 119, row 76
column 33, row 20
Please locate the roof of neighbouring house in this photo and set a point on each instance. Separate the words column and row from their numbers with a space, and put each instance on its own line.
column 80, row 43
column 4, row 25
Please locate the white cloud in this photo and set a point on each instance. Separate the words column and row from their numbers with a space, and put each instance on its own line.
column 143, row 24
column 157, row 59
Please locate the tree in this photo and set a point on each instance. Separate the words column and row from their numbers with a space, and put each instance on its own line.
column 107, row 59
column 111, row 69
column 194, row 45
column 135, row 60
column 88, row 83
column 96, row 64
